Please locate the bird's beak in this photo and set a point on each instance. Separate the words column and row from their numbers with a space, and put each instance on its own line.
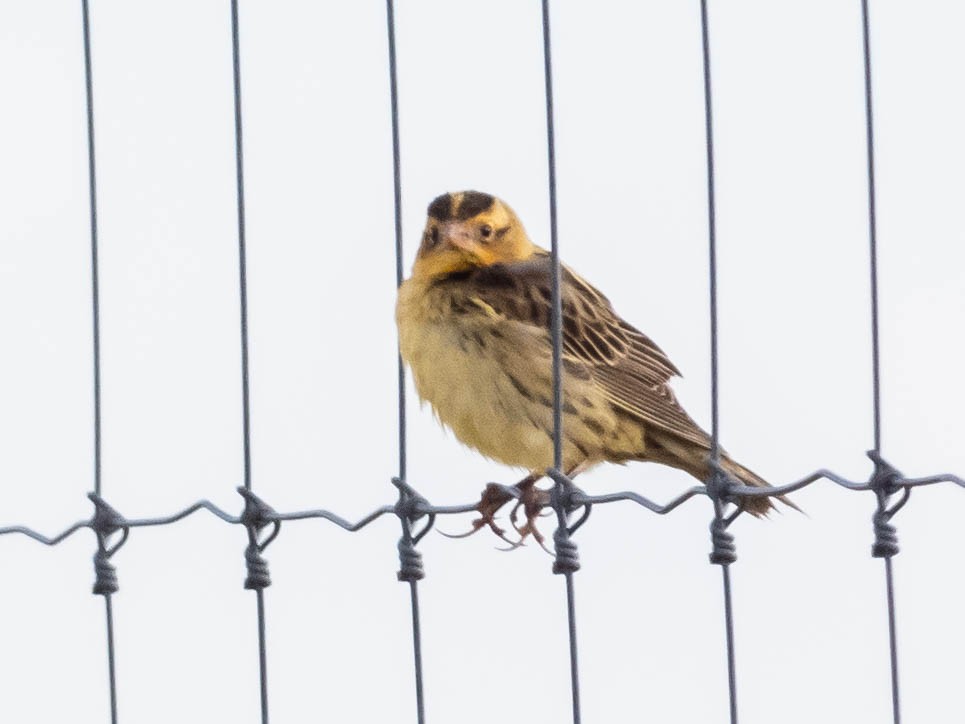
column 456, row 235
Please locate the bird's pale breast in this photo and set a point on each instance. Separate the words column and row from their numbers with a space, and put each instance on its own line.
column 489, row 379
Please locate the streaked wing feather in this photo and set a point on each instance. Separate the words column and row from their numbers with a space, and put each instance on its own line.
column 631, row 370
column 654, row 406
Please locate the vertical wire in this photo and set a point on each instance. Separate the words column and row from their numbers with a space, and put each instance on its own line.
column 95, row 304
column 242, row 262
column 243, row 298
column 397, row 189
column 875, row 340
column 557, row 312
column 574, row 661
column 557, row 339
column 397, row 196
column 262, row 655
column 714, row 387
column 417, row 652
column 893, row 641
column 111, row 666
column 872, row 228
column 94, row 276
column 729, row 628
column 712, row 234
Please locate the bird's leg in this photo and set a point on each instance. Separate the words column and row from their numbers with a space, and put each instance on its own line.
column 532, row 500
column 494, row 497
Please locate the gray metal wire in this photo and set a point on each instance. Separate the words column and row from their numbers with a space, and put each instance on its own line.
column 888, row 550
column 577, row 499
column 410, row 559
column 263, row 524
column 257, row 578
column 566, row 559
column 242, row 241
column 106, row 582
column 111, row 662
column 711, row 232
column 94, row 262
column 397, row 198
column 872, row 228
column 724, row 551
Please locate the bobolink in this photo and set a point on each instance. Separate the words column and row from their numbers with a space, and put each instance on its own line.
column 474, row 328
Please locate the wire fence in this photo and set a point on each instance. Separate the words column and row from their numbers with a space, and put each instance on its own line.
column 571, row 505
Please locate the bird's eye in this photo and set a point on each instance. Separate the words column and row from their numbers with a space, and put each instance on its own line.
column 486, row 231
column 433, row 236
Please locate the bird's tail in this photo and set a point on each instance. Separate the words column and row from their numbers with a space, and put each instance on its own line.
column 695, row 460
column 757, row 506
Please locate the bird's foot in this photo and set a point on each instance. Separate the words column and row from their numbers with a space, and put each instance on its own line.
column 494, row 497
column 532, row 500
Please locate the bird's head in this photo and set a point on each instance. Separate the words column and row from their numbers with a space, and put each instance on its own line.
column 466, row 230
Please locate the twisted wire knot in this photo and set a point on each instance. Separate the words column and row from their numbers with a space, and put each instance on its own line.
column 719, row 485
column 724, row 550
column 256, row 516
column 564, row 496
column 567, row 554
column 105, row 523
column 886, row 481
column 105, row 575
column 257, row 513
column 886, row 535
column 563, row 499
column 258, row 577
column 410, row 507
column 106, row 519
column 410, row 561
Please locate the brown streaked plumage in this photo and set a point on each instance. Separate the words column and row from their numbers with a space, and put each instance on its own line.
column 474, row 321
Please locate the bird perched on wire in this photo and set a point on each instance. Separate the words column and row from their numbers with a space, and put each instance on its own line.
column 474, row 328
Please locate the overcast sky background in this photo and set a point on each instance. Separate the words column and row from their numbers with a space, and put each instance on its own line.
column 795, row 356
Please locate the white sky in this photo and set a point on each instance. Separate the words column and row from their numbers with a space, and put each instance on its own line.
column 795, row 353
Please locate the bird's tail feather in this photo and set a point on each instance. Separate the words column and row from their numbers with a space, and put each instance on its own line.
column 695, row 460
column 757, row 505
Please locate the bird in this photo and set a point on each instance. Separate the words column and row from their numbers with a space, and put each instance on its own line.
column 474, row 323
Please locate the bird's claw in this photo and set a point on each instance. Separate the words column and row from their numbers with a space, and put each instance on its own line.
column 494, row 497
column 532, row 500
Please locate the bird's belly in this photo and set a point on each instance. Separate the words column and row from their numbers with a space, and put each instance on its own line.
column 472, row 394
column 493, row 388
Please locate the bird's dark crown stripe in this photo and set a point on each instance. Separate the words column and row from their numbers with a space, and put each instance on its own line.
column 441, row 207
column 473, row 203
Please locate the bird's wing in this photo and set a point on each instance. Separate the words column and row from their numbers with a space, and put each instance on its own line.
column 627, row 366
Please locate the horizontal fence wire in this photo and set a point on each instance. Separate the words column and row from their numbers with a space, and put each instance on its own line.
column 421, row 508
column 417, row 515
